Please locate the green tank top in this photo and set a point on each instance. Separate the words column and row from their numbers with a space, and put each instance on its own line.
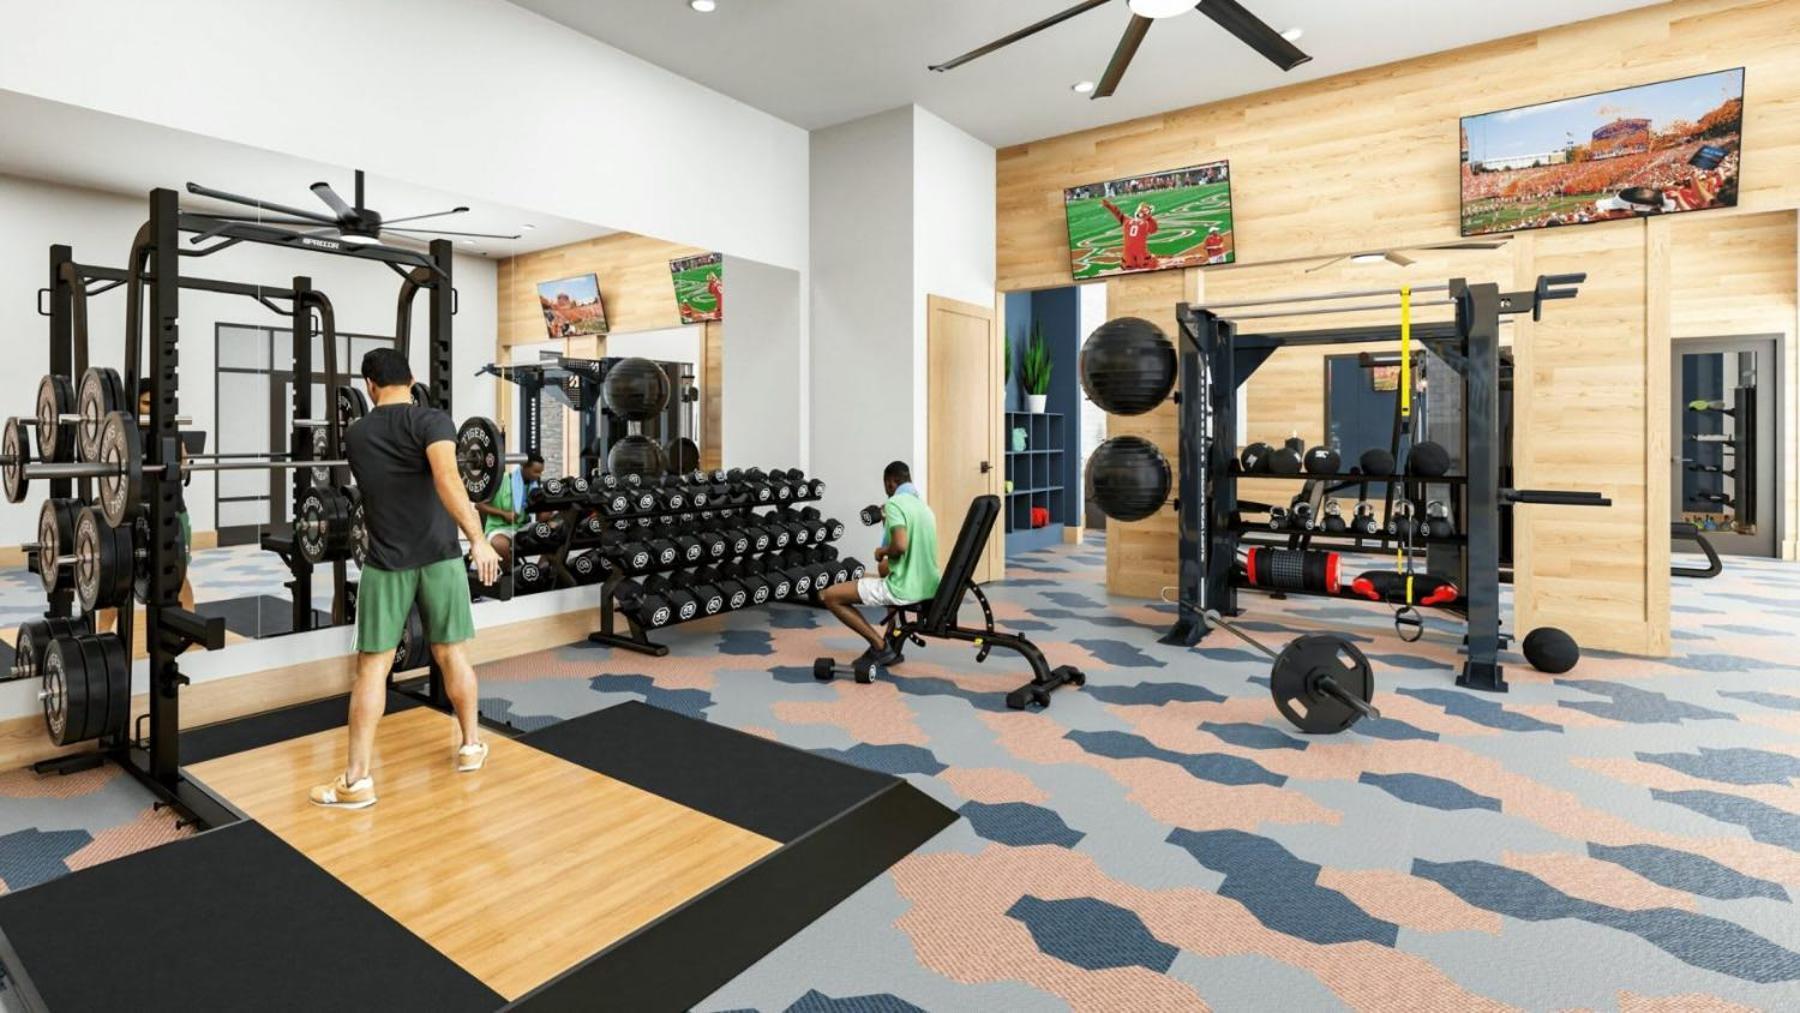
column 914, row 576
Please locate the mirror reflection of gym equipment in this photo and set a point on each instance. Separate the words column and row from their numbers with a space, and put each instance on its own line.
column 1726, row 396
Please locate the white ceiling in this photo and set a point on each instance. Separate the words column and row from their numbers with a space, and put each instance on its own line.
column 66, row 144
column 816, row 63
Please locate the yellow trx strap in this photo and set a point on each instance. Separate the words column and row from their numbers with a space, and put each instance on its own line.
column 1405, row 351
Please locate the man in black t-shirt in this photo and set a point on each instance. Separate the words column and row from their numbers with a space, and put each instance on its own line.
column 404, row 458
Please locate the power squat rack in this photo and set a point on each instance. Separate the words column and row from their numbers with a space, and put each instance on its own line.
column 1217, row 357
column 150, row 749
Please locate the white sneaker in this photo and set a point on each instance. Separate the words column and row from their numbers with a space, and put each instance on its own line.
column 470, row 758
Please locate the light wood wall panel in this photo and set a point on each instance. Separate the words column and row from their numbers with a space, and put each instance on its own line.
column 1368, row 160
column 712, row 396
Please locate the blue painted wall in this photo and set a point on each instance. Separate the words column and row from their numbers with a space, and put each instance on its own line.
column 1058, row 310
column 1018, row 326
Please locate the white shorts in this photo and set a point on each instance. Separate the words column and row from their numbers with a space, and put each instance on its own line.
column 874, row 591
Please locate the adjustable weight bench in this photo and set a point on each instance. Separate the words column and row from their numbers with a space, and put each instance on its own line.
column 936, row 617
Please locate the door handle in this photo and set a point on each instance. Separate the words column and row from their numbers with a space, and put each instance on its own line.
column 986, row 466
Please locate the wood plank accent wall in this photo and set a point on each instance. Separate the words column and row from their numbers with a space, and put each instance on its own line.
column 1368, row 160
column 639, row 295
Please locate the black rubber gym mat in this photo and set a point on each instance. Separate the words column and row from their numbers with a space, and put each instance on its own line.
column 229, row 919
column 209, row 742
column 258, row 616
column 765, row 787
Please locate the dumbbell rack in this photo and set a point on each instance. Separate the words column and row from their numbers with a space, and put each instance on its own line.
column 1215, row 359
column 149, row 748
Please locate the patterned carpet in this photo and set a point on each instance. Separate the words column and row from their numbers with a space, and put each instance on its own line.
column 1623, row 837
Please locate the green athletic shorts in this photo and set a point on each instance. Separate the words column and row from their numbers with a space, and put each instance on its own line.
column 385, row 598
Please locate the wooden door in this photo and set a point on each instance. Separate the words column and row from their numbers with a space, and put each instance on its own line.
column 962, row 410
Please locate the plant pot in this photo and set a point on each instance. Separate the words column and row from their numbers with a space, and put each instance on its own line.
column 1035, row 403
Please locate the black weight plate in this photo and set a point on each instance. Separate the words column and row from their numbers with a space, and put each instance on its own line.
column 55, row 398
column 28, row 648
column 1293, row 682
column 310, row 519
column 421, row 395
column 15, row 448
column 103, row 561
column 56, row 540
column 101, row 392
column 117, row 712
column 60, row 656
column 410, row 653
column 321, row 451
column 122, row 449
column 359, row 528
column 480, row 458
column 351, row 405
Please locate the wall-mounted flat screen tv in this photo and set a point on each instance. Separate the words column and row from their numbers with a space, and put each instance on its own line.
column 1648, row 150
column 699, row 291
column 572, row 306
column 1178, row 218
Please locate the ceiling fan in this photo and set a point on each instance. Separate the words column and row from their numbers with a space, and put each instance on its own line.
column 354, row 224
column 1229, row 14
column 1399, row 259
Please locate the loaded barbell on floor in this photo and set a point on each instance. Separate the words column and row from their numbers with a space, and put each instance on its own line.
column 1320, row 681
column 120, row 464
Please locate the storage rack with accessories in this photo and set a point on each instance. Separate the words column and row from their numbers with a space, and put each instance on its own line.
column 133, row 477
column 578, row 383
column 1035, row 472
column 1216, row 357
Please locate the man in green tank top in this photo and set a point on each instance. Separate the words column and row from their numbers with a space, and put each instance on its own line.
column 907, row 558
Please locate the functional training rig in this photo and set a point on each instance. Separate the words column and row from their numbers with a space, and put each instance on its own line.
column 1216, row 358
column 150, row 750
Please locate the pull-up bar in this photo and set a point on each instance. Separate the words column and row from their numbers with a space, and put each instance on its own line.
column 1326, row 296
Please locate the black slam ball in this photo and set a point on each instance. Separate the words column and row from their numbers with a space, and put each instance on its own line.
column 635, row 389
column 1254, row 458
column 1285, row 461
column 1376, row 461
column 1551, row 650
column 1322, row 461
column 635, row 455
column 1128, row 366
column 1128, row 478
column 1428, row 460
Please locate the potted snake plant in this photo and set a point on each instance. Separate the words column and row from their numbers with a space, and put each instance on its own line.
column 1034, row 370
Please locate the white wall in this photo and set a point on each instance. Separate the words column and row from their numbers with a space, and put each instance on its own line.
column 477, row 97
column 902, row 208
column 863, row 323
column 763, row 410
column 100, row 228
column 670, row 344
column 953, row 238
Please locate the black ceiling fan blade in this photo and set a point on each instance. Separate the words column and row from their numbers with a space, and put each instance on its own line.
column 1000, row 43
column 1128, row 47
column 446, row 232
column 261, row 205
column 262, row 219
column 413, row 218
column 333, row 201
column 1253, row 32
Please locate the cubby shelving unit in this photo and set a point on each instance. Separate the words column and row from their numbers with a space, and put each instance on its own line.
column 1036, row 474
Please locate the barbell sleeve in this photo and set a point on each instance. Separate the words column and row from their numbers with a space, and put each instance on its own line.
column 1330, row 686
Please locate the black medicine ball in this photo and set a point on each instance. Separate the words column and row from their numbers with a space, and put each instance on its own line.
column 1128, row 366
column 1254, row 458
column 1322, row 461
column 1285, row 461
column 1376, row 461
column 1551, row 650
column 1428, row 459
column 1128, row 478
column 635, row 455
column 635, row 389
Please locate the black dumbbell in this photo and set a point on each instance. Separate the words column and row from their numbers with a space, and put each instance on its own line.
column 737, row 539
column 781, row 587
column 736, row 595
column 824, row 529
column 530, row 576
column 692, row 550
column 1363, row 522
column 666, row 553
column 683, row 603
column 671, row 498
column 613, row 501
column 712, row 600
column 745, row 573
column 631, row 555
column 588, row 567
column 651, row 610
column 856, row 568
column 760, row 539
column 815, row 488
column 869, row 515
column 713, row 542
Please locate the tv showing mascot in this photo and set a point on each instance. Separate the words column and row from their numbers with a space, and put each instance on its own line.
column 1653, row 149
column 1178, row 218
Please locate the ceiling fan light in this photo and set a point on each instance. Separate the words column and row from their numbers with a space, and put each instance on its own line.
column 1160, row 8
column 1368, row 258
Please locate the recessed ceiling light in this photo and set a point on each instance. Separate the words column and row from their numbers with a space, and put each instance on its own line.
column 1293, row 34
column 1160, row 8
column 468, row 242
column 1082, row 87
column 1368, row 258
column 528, row 226
column 703, row 6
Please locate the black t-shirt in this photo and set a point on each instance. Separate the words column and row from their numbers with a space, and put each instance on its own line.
column 408, row 527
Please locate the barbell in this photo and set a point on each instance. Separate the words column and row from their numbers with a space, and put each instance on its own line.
column 119, row 464
column 1320, row 681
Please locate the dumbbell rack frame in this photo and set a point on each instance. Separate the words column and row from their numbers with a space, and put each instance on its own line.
column 149, row 749
column 1215, row 359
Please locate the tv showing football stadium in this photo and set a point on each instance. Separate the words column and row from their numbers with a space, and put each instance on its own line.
column 699, row 291
column 1178, row 218
column 1652, row 149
